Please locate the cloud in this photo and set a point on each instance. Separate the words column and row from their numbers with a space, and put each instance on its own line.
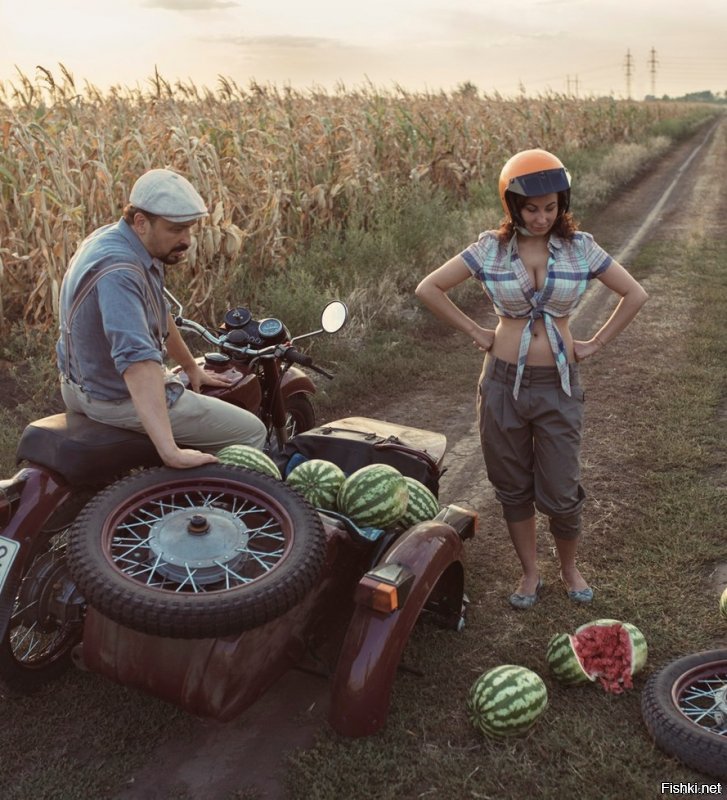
column 281, row 42
column 190, row 5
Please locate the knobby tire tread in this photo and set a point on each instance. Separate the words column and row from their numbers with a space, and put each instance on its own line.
column 194, row 616
column 694, row 746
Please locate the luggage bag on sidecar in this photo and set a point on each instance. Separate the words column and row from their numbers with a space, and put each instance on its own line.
column 355, row 442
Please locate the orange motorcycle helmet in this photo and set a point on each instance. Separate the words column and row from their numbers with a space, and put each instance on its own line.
column 532, row 173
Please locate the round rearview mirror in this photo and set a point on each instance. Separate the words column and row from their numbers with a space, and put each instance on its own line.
column 334, row 316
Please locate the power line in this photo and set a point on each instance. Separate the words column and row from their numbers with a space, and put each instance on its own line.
column 628, row 66
column 652, row 68
column 685, row 71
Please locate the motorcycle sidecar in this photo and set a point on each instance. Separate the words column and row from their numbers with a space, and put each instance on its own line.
column 214, row 651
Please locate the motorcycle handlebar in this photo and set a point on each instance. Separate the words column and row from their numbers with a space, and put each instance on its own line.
column 296, row 357
column 287, row 353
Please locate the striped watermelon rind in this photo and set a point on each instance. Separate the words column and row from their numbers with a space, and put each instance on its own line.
column 421, row 505
column 723, row 604
column 318, row 481
column 563, row 660
column 374, row 496
column 506, row 701
column 244, row 455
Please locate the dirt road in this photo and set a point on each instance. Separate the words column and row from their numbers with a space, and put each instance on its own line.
column 212, row 760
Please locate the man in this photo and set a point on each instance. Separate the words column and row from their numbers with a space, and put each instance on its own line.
column 116, row 330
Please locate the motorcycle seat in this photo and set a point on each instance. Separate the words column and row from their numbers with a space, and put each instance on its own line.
column 83, row 451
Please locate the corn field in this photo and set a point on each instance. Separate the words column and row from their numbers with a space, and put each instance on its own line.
column 274, row 165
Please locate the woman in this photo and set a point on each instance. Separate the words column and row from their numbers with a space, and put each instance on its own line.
column 534, row 269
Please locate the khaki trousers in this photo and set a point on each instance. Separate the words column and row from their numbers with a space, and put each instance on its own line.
column 198, row 421
column 532, row 445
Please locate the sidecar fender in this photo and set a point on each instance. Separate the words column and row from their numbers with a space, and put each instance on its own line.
column 424, row 561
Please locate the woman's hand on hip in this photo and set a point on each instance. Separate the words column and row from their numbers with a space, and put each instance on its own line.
column 582, row 350
column 483, row 338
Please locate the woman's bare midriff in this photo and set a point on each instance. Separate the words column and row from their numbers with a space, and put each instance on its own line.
column 509, row 332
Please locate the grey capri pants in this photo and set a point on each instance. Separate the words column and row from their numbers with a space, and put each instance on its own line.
column 532, row 445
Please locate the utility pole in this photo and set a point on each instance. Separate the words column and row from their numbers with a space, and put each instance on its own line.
column 574, row 81
column 628, row 66
column 652, row 69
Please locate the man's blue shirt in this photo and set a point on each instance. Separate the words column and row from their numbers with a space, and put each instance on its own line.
column 122, row 320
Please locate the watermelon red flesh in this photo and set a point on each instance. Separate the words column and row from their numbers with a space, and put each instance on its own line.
column 605, row 652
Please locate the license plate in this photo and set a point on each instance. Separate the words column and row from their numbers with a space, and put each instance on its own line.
column 8, row 550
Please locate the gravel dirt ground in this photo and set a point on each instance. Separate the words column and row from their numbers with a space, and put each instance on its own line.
column 668, row 202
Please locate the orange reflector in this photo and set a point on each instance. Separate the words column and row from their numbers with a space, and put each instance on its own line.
column 379, row 596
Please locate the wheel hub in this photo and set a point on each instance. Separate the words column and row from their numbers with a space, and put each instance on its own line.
column 208, row 543
column 48, row 597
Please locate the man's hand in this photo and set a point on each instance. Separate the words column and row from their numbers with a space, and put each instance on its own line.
column 145, row 382
column 186, row 459
column 199, row 377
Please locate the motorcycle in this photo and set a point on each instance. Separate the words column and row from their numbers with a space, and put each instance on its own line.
column 684, row 707
column 259, row 358
column 203, row 586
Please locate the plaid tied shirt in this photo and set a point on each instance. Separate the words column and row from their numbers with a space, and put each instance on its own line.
column 571, row 264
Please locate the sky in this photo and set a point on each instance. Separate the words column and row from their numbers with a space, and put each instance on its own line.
column 620, row 48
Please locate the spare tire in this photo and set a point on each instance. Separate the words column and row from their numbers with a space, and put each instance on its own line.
column 196, row 553
column 684, row 706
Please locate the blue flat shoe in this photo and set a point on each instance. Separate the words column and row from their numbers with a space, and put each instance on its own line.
column 578, row 595
column 581, row 595
column 526, row 600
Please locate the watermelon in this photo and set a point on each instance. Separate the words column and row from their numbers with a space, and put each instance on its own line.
column 318, row 481
column 606, row 650
column 375, row 495
column 243, row 455
column 723, row 604
column 421, row 506
column 563, row 662
column 506, row 700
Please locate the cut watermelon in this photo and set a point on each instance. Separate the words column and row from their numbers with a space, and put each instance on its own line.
column 606, row 650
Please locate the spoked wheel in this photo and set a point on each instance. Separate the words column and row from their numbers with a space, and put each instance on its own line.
column 196, row 553
column 299, row 414
column 684, row 706
column 41, row 618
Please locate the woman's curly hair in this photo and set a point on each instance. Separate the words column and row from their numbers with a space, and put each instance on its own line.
column 564, row 226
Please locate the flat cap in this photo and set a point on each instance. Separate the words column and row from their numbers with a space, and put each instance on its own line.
column 167, row 194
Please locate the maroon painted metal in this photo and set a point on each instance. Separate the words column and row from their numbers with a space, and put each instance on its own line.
column 295, row 381
column 41, row 493
column 374, row 642
column 220, row 678
column 245, row 389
